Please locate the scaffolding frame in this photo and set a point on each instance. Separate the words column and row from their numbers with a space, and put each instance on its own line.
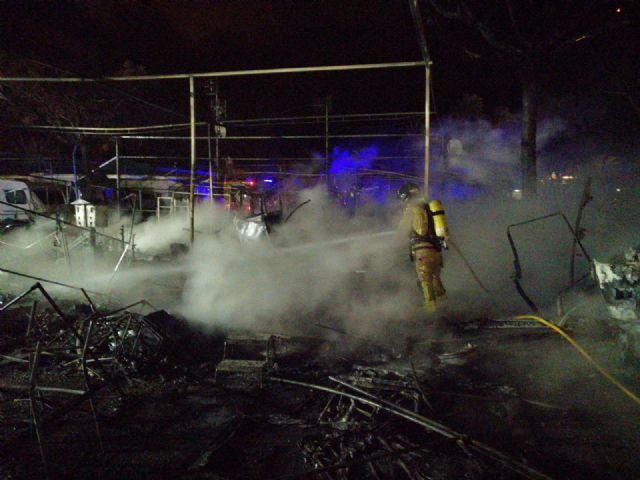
column 425, row 63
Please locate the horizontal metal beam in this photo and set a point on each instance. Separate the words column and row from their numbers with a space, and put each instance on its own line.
column 274, row 137
column 231, row 73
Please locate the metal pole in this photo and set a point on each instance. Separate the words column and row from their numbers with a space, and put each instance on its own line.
column 217, row 158
column 192, row 112
column 326, row 139
column 118, row 175
column 216, row 126
column 426, row 132
column 210, row 167
column 233, row 73
column 75, row 171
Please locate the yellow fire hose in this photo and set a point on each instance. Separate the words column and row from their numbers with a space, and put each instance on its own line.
column 582, row 352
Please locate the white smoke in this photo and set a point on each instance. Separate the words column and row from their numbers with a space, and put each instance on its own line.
column 324, row 267
column 482, row 153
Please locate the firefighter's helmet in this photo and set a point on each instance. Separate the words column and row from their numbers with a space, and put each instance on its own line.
column 408, row 191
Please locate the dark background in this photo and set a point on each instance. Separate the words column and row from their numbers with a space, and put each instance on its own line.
column 96, row 38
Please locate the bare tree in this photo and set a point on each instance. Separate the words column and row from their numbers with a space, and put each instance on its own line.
column 31, row 104
column 529, row 35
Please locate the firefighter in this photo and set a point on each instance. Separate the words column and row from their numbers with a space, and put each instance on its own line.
column 426, row 243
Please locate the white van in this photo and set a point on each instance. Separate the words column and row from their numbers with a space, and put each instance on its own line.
column 16, row 193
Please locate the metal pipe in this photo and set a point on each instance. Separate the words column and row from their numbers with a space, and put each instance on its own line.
column 517, row 274
column 422, row 42
column 19, row 297
column 217, row 158
column 210, row 167
column 427, row 71
column 75, row 171
column 122, row 309
column 293, row 174
column 54, row 305
column 242, row 159
column 279, row 137
column 232, row 73
column 68, row 391
column 133, row 219
column 86, row 295
column 115, row 270
column 326, row 139
column 63, row 240
column 118, row 176
column 192, row 114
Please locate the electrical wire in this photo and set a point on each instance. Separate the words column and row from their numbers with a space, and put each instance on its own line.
column 584, row 353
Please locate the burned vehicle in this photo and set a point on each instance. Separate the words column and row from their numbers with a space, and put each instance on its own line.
column 259, row 213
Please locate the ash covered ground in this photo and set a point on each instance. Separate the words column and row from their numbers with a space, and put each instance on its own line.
column 309, row 356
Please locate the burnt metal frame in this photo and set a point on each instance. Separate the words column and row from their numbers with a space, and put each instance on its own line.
column 517, row 274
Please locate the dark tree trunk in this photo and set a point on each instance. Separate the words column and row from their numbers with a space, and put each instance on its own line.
column 529, row 128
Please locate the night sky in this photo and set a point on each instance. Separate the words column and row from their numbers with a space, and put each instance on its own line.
column 95, row 38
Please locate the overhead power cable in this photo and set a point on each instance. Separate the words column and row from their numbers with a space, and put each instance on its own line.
column 321, row 118
column 109, row 130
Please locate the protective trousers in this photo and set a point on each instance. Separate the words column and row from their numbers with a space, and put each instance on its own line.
column 428, row 267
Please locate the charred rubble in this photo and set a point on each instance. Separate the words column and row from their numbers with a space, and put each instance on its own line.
column 619, row 281
column 90, row 387
column 92, row 390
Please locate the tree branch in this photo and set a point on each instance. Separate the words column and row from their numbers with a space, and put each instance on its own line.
column 511, row 52
column 463, row 13
column 596, row 32
column 457, row 15
column 514, row 25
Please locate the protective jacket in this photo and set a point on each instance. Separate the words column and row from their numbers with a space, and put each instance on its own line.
column 425, row 251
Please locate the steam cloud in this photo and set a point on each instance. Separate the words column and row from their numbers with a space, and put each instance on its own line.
column 324, row 266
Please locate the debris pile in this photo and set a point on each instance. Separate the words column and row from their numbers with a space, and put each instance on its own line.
column 65, row 368
column 619, row 283
column 378, row 423
column 87, row 390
